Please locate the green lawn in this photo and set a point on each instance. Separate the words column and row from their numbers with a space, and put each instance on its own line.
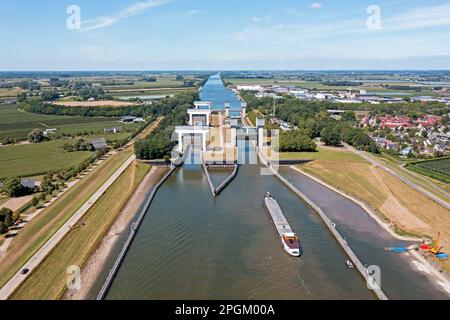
column 36, row 159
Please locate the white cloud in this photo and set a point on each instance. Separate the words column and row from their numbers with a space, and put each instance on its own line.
column 256, row 19
column 193, row 12
column 130, row 11
column 418, row 18
column 316, row 5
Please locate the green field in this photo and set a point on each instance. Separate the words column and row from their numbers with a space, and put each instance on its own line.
column 10, row 93
column 97, row 126
column 438, row 169
column 36, row 159
column 161, row 83
column 16, row 124
column 148, row 93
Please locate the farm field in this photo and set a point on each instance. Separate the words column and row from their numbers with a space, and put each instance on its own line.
column 160, row 83
column 104, row 103
column 438, row 169
column 13, row 92
column 398, row 165
column 36, row 159
column 137, row 93
column 16, row 124
column 42, row 228
column 48, row 281
column 88, row 127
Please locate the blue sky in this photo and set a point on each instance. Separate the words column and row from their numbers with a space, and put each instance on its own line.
column 219, row 34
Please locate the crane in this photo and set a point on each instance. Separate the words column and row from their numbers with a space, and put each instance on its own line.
column 435, row 248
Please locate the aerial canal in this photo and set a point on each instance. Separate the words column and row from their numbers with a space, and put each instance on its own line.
column 193, row 246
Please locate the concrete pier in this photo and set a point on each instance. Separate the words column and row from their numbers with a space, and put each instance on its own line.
column 217, row 190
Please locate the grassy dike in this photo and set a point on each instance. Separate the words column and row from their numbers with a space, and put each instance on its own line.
column 48, row 281
column 411, row 212
column 37, row 232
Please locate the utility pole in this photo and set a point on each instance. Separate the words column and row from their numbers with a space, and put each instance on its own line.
column 274, row 106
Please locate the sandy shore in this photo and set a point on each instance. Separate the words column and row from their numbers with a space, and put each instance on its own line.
column 96, row 262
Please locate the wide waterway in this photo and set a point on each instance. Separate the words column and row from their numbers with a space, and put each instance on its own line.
column 192, row 246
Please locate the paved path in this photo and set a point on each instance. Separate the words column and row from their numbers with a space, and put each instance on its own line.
column 402, row 178
column 31, row 264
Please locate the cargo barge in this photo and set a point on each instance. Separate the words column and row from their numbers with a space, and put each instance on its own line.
column 288, row 238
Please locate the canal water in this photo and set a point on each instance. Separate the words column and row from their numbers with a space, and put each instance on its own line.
column 214, row 91
column 194, row 246
column 400, row 278
column 191, row 246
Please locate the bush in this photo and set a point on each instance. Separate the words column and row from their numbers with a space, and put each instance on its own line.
column 331, row 136
column 34, row 201
column 296, row 141
column 12, row 187
column 36, row 136
column 6, row 219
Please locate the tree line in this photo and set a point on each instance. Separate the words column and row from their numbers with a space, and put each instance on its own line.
column 159, row 144
column 312, row 121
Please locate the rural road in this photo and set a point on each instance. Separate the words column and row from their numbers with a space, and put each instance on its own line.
column 39, row 256
column 403, row 179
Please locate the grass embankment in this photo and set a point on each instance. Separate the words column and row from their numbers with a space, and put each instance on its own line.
column 410, row 211
column 36, row 159
column 43, row 227
column 48, row 281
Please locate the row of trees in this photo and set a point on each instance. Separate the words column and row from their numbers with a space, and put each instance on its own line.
column 296, row 141
column 159, row 144
column 79, row 145
column 313, row 121
column 162, row 107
